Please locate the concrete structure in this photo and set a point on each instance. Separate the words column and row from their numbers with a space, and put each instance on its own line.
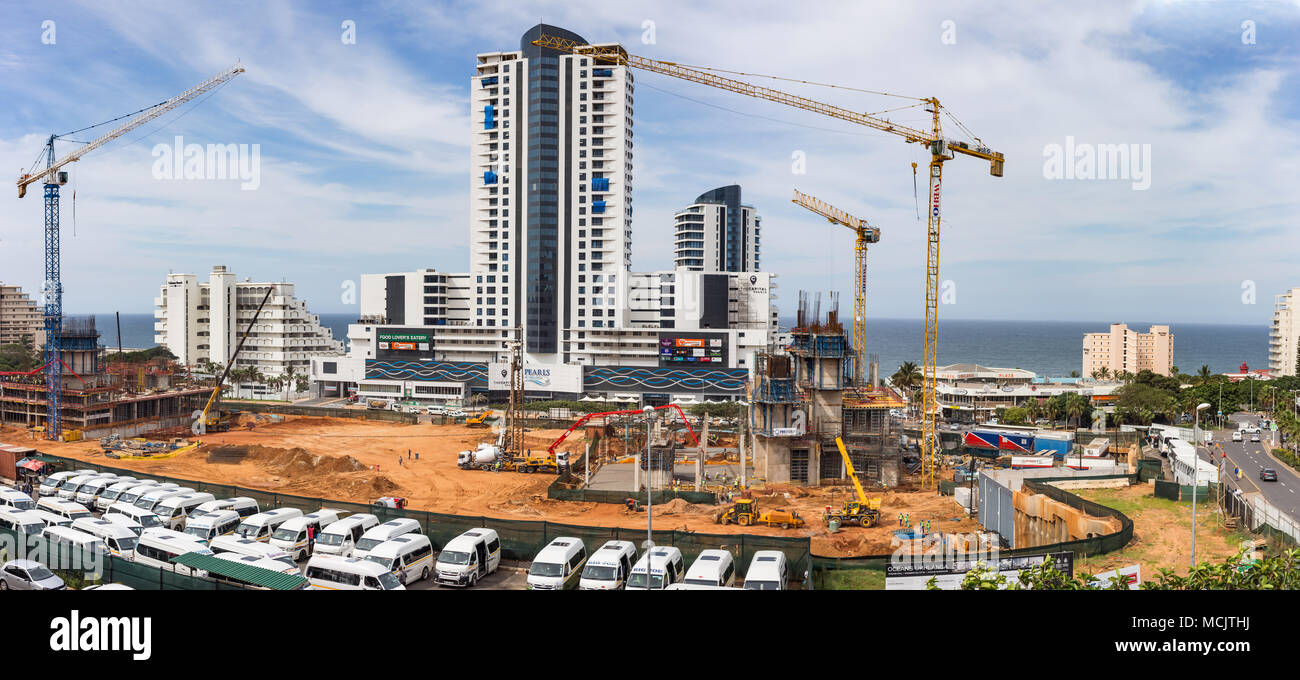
column 558, row 217
column 199, row 321
column 800, row 401
column 1121, row 349
column 95, row 400
column 20, row 318
column 1284, row 334
column 717, row 233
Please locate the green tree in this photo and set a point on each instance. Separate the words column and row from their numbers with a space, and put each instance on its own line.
column 907, row 376
column 1203, row 375
column 17, row 357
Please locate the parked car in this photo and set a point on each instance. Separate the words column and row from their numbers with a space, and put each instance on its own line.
column 1268, row 475
column 28, row 575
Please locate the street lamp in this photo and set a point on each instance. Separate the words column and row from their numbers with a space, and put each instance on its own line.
column 1196, row 472
column 649, row 412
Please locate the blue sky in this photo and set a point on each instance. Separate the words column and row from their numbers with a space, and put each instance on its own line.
column 365, row 161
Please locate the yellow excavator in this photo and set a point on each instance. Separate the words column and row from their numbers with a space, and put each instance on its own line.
column 745, row 512
column 860, row 510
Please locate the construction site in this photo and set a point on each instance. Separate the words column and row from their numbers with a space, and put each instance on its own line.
column 99, row 397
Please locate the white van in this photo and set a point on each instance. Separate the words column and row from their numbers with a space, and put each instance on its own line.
column 385, row 532
column 247, row 546
column 767, row 571
column 50, row 485
column 558, row 565
column 133, row 494
column 144, row 518
column 327, row 572
column 712, row 568
column 65, row 508
column 119, row 539
column 69, row 547
column 174, row 510
column 157, row 547
column 90, row 489
column 657, row 569
column 409, row 557
column 340, row 537
column 291, row 536
column 150, row 499
column 212, row 525
column 22, row 522
column 13, row 499
column 68, row 489
column 51, row 519
column 113, row 491
column 242, row 506
column 259, row 527
column 608, row 567
column 468, row 558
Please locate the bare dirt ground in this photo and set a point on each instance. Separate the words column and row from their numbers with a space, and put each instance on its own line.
column 358, row 461
column 1162, row 532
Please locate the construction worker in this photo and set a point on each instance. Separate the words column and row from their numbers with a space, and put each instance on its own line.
column 900, row 519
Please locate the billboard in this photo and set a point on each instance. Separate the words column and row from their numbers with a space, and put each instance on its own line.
column 538, row 377
column 689, row 350
column 403, row 344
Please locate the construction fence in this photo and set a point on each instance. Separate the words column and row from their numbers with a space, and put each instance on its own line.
column 1261, row 517
column 521, row 540
column 1096, row 545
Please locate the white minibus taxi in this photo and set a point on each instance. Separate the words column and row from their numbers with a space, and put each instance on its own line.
column 657, row 569
column 144, row 518
column 174, row 510
column 212, row 525
column 157, row 547
column 409, row 557
column 113, row 491
column 608, row 567
column 247, row 546
column 327, row 572
column 67, row 509
column 767, row 571
column 385, row 532
column 119, row 539
column 712, row 568
column 340, row 537
column 259, row 527
column 558, row 565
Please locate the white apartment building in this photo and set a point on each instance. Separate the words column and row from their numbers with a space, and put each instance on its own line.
column 717, row 233
column 197, row 320
column 1121, row 349
column 1282, row 335
column 550, row 190
column 21, row 320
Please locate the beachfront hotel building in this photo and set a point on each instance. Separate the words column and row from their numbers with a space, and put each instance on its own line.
column 198, row 320
column 20, row 318
column 1121, row 349
column 1282, row 335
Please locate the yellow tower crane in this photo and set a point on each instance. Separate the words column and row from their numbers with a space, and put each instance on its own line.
column 867, row 234
column 941, row 150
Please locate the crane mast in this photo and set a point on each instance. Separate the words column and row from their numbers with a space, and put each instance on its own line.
column 866, row 234
column 52, row 290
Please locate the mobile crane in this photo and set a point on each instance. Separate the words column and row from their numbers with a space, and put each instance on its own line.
column 859, row 510
column 941, row 150
column 206, row 419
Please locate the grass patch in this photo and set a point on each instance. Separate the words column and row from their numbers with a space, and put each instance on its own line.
column 853, row 579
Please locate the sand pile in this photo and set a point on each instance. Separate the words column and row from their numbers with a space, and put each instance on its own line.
column 678, row 506
column 298, row 461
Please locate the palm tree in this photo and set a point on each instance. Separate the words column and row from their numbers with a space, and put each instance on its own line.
column 1104, row 372
column 1033, row 409
column 290, row 380
column 1074, row 374
column 1204, row 374
column 1075, row 407
column 907, row 376
column 1120, row 415
column 1173, row 370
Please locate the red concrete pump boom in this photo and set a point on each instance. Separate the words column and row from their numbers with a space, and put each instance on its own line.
column 589, row 416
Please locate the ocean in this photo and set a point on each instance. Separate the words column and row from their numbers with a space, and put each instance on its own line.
column 1048, row 348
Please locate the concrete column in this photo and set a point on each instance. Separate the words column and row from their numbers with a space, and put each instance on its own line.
column 636, row 472
column 699, row 467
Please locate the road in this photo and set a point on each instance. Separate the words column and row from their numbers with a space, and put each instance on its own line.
column 1250, row 457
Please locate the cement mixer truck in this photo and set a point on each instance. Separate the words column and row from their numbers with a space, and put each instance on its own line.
column 485, row 457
